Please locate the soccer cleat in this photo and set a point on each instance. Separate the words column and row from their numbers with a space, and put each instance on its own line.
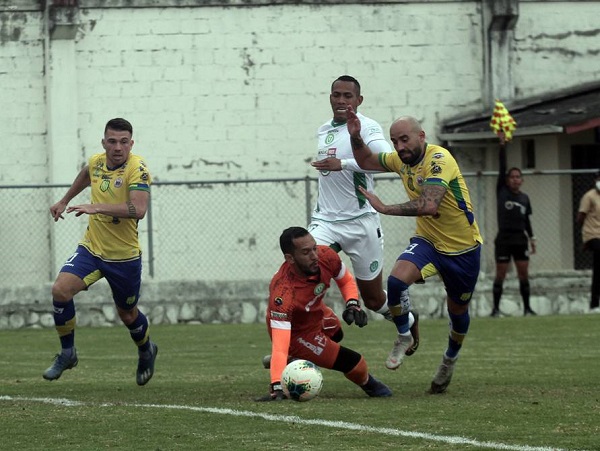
column 443, row 376
column 495, row 313
column 376, row 389
column 145, row 369
column 414, row 331
column 401, row 345
column 529, row 312
column 266, row 361
column 60, row 364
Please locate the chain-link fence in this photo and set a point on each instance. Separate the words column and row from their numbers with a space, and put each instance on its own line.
column 229, row 230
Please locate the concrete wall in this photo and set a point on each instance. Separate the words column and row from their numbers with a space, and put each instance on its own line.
column 205, row 303
column 236, row 90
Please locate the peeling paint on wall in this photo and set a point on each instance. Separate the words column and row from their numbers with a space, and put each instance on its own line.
column 11, row 26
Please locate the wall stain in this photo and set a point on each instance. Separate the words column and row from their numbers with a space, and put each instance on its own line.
column 202, row 161
column 11, row 26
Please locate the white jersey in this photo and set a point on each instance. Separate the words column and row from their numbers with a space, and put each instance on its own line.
column 339, row 198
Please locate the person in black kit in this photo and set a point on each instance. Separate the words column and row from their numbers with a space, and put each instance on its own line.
column 514, row 232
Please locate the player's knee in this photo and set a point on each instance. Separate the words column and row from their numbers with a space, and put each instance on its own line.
column 128, row 316
column 373, row 302
column 346, row 360
column 62, row 292
column 338, row 336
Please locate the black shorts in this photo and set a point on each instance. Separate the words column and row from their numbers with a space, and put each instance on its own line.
column 507, row 247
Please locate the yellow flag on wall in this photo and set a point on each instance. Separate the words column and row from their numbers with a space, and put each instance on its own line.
column 502, row 121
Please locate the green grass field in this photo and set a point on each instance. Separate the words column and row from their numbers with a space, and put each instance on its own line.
column 521, row 384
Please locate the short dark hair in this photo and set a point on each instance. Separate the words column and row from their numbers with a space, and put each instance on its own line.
column 514, row 168
column 350, row 79
column 119, row 124
column 286, row 240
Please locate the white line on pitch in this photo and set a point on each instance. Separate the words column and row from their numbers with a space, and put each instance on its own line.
column 296, row 420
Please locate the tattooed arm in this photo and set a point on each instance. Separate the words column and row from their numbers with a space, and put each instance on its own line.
column 135, row 207
column 425, row 205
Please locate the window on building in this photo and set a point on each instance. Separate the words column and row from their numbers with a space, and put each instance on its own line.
column 528, row 153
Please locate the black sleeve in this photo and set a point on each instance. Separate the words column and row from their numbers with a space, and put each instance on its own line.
column 528, row 227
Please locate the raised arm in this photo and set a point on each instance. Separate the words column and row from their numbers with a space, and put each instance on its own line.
column 501, row 165
column 365, row 158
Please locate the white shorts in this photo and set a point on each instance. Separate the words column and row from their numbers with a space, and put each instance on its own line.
column 361, row 239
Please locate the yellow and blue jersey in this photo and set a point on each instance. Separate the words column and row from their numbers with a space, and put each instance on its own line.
column 454, row 230
column 107, row 237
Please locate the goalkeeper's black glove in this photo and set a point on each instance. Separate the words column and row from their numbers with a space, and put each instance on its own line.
column 275, row 393
column 354, row 314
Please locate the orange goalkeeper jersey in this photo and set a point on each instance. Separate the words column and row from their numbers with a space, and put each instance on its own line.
column 296, row 302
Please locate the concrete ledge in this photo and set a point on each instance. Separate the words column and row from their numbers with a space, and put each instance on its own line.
column 196, row 302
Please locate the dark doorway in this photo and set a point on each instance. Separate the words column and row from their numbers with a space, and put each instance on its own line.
column 585, row 156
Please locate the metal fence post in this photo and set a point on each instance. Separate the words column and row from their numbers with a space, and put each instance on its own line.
column 308, row 195
column 150, row 240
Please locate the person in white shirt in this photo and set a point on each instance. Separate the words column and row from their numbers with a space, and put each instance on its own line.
column 343, row 218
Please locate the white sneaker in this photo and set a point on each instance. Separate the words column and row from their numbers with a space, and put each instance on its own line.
column 401, row 345
column 443, row 376
column 594, row 310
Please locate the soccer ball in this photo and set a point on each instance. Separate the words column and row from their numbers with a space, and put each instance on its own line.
column 302, row 380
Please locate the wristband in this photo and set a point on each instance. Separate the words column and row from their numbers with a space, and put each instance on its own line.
column 344, row 163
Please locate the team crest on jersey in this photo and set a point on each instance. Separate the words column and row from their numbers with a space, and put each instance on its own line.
column 118, row 182
column 319, row 289
column 278, row 300
column 329, row 138
column 374, row 265
column 435, row 168
column 104, row 185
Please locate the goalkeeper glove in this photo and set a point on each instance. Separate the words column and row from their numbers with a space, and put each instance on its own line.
column 275, row 393
column 353, row 313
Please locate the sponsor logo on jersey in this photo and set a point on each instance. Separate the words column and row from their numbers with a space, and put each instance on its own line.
column 279, row 316
column 316, row 350
column 435, row 169
column 437, row 155
column 374, row 131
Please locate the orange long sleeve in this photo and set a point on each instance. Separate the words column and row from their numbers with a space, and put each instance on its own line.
column 279, row 352
column 347, row 284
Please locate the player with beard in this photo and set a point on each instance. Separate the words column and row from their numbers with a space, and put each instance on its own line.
column 302, row 326
column 446, row 241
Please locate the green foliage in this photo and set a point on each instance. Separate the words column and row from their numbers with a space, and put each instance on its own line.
column 521, row 384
